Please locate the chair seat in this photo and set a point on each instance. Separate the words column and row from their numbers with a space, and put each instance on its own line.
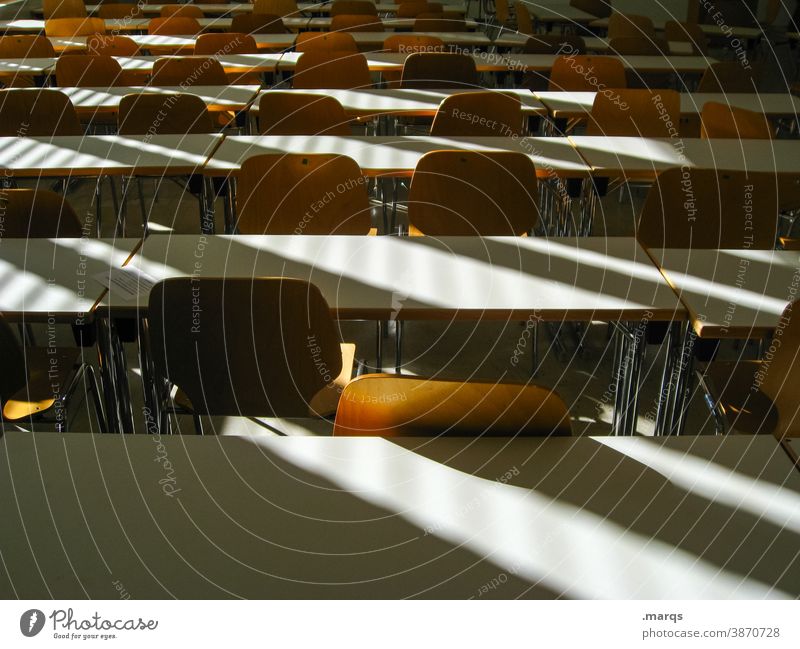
column 746, row 410
column 50, row 372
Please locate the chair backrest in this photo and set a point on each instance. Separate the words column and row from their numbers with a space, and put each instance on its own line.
column 554, row 44
column 524, row 20
column 188, row 70
column 63, row 9
column 599, row 8
column 621, row 25
column 302, row 194
column 780, row 377
column 439, row 70
column 473, row 193
column 88, row 71
column 409, row 43
column 353, row 7
column 638, row 46
column 282, row 8
column 37, row 214
column 113, row 46
column 637, row 113
column 584, row 73
column 706, row 208
column 14, row 374
column 67, row 27
column 356, row 23
column 184, row 11
column 684, row 32
column 439, row 22
column 482, row 113
column 297, row 113
column 37, row 112
column 174, row 26
column 727, row 76
column 225, row 43
column 323, row 69
column 388, row 405
column 119, row 11
column 417, row 7
column 253, row 23
column 502, row 12
column 329, row 41
column 723, row 121
column 23, row 47
column 261, row 347
column 163, row 114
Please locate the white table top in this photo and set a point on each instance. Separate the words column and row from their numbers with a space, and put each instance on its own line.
column 31, row 26
column 577, row 104
column 324, row 23
column 710, row 30
column 382, row 61
column 93, row 155
column 43, row 277
column 468, row 278
column 732, row 293
column 265, row 62
column 665, row 64
column 592, row 43
column 645, row 158
column 217, row 98
column 322, row 517
column 27, row 66
column 561, row 12
column 396, row 155
column 404, row 101
column 221, row 9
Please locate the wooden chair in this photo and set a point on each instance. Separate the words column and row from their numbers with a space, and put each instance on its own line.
column 322, row 69
column 524, row 20
column 685, row 32
column 483, row 113
column 88, row 71
column 622, row 25
column 113, row 46
column 439, row 22
column 599, row 8
column 356, row 23
column 722, row 121
column 436, row 70
column 386, row 405
column 328, row 41
column 163, row 114
column 727, row 76
column 230, row 43
column 183, row 11
column 409, row 43
column 190, row 70
column 63, row 9
column 68, row 27
column 726, row 210
column 37, row 112
column 635, row 113
column 283, row 8
column 470, row 193
column 37, row 214
column 283, row 359
column 28, row 378
column 759, row 397
column 554, row 44
column 352, row 8
column 414, row 9
column 638, row 46
column 569, row 73
column 121, row 11
column 295, row 113
column 275, row 192
column 502, row 13
column 253, row 23
column 23, row 47
column 174, row 26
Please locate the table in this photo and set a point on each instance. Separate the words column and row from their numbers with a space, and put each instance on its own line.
column 638, row 63
column 31, row 66
column 463, row 278
column 240, row 63
column 90, row 101
column 211, row 9
column 405, row 24
column 558, row 14
column 321, row 517
column 593, row 43
column 125, row 25
column 383, row 61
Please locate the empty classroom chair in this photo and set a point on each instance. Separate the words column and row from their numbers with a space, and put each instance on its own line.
column 638, row 46
column 352, row 8
column 254, row 366
column 36, row 112
column 330, row 41
column 253, row 23
column 409, row 43
column 640, row 113
column 554, row 44
column 174, row 26
column 88, row 71
column 296, row 113
column 113, row 46
column 37, row 214
column 23, row 47
column 121, row 11
column 439, row 22
column 723, row 121
column 584, row 73
column 284, row 8
column 274, row 193
column 622, row 25
column 414, row 9
column 356, row 23
column 386, row 405
column 483, row 113
column 184, row 11
column 439, row 70
column 524, row 20
column 188, row 70
column 684, row 32
column 163, row 114
column 63, row 9
column 727, row 76
column 322, row 69
column 469, row 193
column 599, row 8
column 67, row 27
column 230, row 43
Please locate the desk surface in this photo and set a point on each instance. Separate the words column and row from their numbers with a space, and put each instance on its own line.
column 106, row 100
column 397, row 155
column 32, row 66
column 467, row 278
column 557, row 13
column 321, row 517
column 406, row 101
column 732, row 293
column 638, row 63
column 382, row 61
column 93, row 155
column 44, row 277
column 221, row 9
column 262, row 62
